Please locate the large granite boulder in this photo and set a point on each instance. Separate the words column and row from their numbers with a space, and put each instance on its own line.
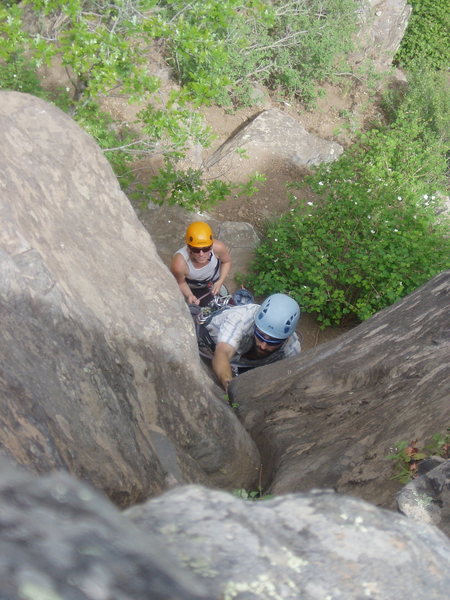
column 331, row 416
column 270, row 139
column 313, row 546
column 61, row 539
column 100, row 370
column 382, row 25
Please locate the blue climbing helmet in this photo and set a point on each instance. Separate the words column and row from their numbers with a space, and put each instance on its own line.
column 278, row 316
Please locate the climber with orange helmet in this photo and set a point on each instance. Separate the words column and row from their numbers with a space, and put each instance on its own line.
column 201, row 266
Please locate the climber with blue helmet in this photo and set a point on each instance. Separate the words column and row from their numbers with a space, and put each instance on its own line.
column 260, row 333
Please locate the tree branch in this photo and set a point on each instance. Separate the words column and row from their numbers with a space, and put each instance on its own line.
column 279, row 42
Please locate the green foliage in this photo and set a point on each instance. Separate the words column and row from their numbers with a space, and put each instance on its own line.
column 251, row 494
column 427, row 36
column 173, row 128
column 188, row 189
column 17, row 70
column 170, row 185
column 93, row 40
column 407, row 455
column 427, row 95
column 244, row 494
column 20, row 76
column 234, row 405
column 373, row 234
column 115, row 142
column 439, row 444
column 219, row 48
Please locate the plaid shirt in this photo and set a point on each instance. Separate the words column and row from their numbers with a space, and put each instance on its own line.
column 236, row 326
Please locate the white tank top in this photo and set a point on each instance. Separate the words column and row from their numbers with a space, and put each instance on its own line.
column 210, row 272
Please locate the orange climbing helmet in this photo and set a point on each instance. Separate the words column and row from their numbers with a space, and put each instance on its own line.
column 199, row 235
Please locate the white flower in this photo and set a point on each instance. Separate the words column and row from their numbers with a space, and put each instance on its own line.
column 425, row 196
column 356, row 202
column 396, row 230
column 275, row 239
column 433, row 197
column 369, row 190
column 399, row 197
column 310, row 203
column 372, row 231
column 369, row 216
column 320, row 182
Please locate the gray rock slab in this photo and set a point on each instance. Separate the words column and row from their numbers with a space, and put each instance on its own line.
column 313, row 546
column 427, row 498
column 382, row 25
column 331, row 416
column 61, row 540
column 100, row 367
column 269, row 138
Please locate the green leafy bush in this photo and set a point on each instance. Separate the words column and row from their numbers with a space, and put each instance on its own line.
column 103, row 44
column 17, row 69
column 219, row 48
column 187, row 188
column 406, row 458
column 117, row 143
column 20, row 75
column 427, row 36
column 373, row 234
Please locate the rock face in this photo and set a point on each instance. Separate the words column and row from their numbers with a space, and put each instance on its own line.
column 100, row 372
column 329, row 417
column 382, row 27
column 427, row 498
column 61, row 539
column 272, row 137
column 310, row 546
